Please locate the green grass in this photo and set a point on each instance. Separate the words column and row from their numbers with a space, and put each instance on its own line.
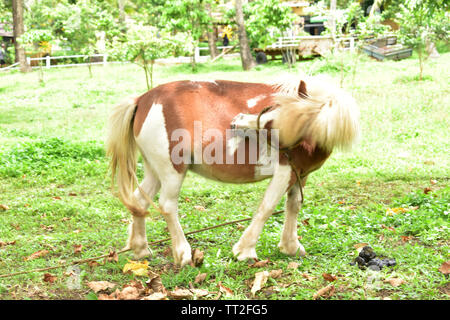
column 53, row 178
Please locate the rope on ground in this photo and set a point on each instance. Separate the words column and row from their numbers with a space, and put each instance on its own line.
column 76, row 262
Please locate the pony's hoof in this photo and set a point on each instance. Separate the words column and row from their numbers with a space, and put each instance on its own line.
column 139, row 252
column 292, row 249
column 243, row 254
column 182, row 256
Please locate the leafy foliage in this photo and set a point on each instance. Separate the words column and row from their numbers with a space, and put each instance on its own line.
column 265, row 21
column 423, row 21
column 143, row 45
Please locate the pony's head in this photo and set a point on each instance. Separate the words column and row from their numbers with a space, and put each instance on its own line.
column 315, row 109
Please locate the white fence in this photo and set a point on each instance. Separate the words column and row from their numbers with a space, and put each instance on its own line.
column 282, row 42
column 49, row 65
column 48, row 59
column 198, row 49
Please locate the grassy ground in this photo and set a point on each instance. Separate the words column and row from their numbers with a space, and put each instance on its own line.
column 54, row 184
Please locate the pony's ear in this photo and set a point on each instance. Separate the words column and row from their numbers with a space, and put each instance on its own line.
column 302, row 89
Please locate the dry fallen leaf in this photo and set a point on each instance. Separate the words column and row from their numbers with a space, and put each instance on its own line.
column 104, row 296
column 154, row 282
column 259, row 264
column 4, row 207
column 180, row 293
column 200, row 208
column 360, row 246
column 395, row 282
column 227, row 291
column 97, row 286
column 325, row 292
column 77, row 248
column 427, row 190
column 433, row 181
column 329, row 277
column 36, row 255
column 406, row 238
column 308, row 277
column 275, row 274
column 200, row 278
column 199, row 292
column 49, row 277
column 136, row 284
column 156, row 296
column 129, row 293
column 7, row 243
column 388, row 228
column 138, row 268
column 93, row 264
column 445, row 268
column 305, row 222
column 260, row 280
column 197, row 257
column 113, row 256
column 292, row 265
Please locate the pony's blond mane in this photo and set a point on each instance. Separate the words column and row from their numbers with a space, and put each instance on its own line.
column 327, row 116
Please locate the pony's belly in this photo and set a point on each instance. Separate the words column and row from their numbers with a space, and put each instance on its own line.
column 229, row 173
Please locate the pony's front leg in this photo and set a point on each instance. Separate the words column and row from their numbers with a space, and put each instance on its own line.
column 289, row 243
column 245, row 247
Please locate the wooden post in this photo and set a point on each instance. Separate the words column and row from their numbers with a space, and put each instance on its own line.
column 105, row 59
column 197, row 54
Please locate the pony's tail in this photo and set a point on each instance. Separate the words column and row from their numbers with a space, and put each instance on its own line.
column 331, row 119
column 121, row 148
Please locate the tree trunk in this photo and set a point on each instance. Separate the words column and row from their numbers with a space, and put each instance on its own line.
column 18, row 31
column 333, row 20
column 420, row 52
column 211, row 36
column 375, row 7
column 121, row 5
column 246, row 57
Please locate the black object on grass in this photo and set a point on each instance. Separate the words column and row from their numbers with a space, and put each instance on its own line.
column 367, row 258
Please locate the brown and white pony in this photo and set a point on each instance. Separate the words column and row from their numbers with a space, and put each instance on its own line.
column 312, row 118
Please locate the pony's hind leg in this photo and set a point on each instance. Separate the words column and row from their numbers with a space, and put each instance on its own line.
column 137, row 239
column 245, row 247
column 289, row 243
column 168, row 200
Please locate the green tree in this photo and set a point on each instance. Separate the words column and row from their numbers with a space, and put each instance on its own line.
column 265, row 21
column 422, row 21
column 142, row 45
column 37, row 41
column 75, row 24
column 187, row 16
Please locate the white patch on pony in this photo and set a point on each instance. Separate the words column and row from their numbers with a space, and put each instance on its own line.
column 210, row 81
column 153, row 138
column 253, row 101
column 153, row 142
column 198, row 82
